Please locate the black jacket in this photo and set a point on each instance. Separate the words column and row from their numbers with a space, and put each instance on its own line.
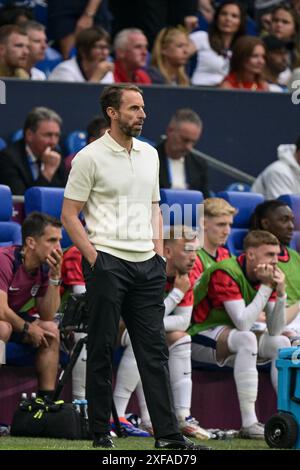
column 15, row 170
column 195, row 171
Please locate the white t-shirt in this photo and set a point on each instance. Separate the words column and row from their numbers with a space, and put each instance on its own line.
column 37, row 74
column 119, row 189
column 69, row 71
column 211, row 67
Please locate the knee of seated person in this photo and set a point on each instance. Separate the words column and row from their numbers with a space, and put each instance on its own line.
column 247, row 341
column 51, row 327
column 173, row 336
column 5, row 331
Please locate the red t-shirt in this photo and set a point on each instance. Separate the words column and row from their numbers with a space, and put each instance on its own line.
column 222, row 253
column 71, row 271
column 140, row 75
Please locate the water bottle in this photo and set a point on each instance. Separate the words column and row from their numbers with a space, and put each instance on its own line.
column 76, row 404
column 24, row 401
column 83, row 408
column 33, row 396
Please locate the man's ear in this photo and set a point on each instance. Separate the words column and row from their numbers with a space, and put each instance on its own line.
column 111, row 112
column 265, row 225
column 30, row 242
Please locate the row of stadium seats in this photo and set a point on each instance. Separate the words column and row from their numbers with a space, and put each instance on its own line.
column 178, row 207
column 74, row 141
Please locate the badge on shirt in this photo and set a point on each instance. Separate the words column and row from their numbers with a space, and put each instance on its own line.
column 34, row 290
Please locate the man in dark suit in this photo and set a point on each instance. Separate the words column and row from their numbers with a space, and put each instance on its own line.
column 34, row 160
column 180, row 167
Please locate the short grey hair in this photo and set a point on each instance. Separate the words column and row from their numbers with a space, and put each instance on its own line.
column 186, row 115
column 39, row 114
column 33, row 25
column 122, row 38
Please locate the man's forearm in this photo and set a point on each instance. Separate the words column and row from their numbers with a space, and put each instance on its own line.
column 79, row 237
column 157, row 227
column 49, row 304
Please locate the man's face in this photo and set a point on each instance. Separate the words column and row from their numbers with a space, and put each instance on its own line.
column 264, row 254
column 131, row 115
column 181, row 255
column 277, row 60
column 37, row 45
column 217, row 229
column 44, row 245
column 46, row 135
column 135, row 54
column 15, row 52
column 182, row 137
column 281, row 223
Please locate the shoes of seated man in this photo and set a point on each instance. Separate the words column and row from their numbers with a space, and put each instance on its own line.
column 255, row 431
column 103, row 440
column 191, row 428
column 184, row 443
column 130, row 429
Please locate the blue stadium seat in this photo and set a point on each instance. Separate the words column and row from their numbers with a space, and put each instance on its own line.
column 2, row 143
column 145, row 139
column 245, row 202
column 10, row 232
column 295, row 241
column 17, row 135
column 293, row 201
column 48, row 201
column 184, row 205
column 75, row 141
column 239, row 186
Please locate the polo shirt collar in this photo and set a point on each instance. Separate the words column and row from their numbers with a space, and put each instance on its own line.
column 113, row 145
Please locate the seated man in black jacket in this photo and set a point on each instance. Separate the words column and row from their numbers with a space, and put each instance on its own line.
column 34, row 160
column 180, row 167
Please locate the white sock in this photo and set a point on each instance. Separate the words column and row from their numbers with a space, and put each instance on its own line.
column 79, row 371
column 127, row 379
column 181, row 376
column 268, row 349
column 145, row 417
column 244, row 345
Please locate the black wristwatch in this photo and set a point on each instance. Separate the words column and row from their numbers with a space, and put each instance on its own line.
column 25, row 329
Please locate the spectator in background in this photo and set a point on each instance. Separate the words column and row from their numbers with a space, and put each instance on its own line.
column 12, row 14
column 180, row 167
column 67, row 18
column 30, row 277
column 14, row 51
column 131, row 52
column 170, row 55
column 214, row 48
column 37, row 48
column 92, row 62
column 276, row 62
column 35, row 159
column 285, row 25
column 153, row 15
column 247, row 65
column 282, row 176
column 96, row 128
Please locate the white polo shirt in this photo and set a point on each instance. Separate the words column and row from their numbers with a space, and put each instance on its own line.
column 118, row 189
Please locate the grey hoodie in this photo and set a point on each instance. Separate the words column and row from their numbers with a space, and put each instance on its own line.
column 281, row 177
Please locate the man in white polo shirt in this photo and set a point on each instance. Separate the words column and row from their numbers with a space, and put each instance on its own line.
column 114, row 180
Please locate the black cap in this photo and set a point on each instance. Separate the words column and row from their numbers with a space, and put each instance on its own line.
column 273, row 43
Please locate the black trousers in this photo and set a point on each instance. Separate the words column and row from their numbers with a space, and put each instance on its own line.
column 134, row 290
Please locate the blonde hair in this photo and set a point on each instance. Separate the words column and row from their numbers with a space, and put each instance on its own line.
column 216, row 207
column 165, row 37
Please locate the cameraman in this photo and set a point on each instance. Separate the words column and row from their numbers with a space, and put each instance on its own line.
column 30, row 278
